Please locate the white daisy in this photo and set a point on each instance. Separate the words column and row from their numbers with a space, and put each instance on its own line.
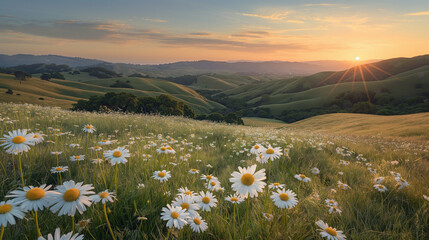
column 235, row 199
column 17, row 141
column 276, row 185
column 246, row 182
column 32, row 198
column 8, row 211
column 302, row 177
column 334, row 209
column 194, row 171
column 380, row 188
column 257, row 149
column 77, row 158
column 331, row 202
column 330, row 233
column 59, row 169
column 186, row 191
column 70, row 197
column 117, row 155
column 104, row 196
column 284, row 198
column 187, row 203
column 271, row 153
column 197, row 224
column 267, row 216
column 206, row 201
column 402, row 182
column 378, row 180
column 89, row 128
column 38, row 138
column 162, row 176
column 57, row 236
column 175, row 216
column 207, row 177
column 213, row 185
column 315, row 171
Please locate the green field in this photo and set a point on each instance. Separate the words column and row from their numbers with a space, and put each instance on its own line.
column 218, row 150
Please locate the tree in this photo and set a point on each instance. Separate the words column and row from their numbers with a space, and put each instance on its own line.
column 9, row 91
column 45, row 76
column 215, row 117
column 21, row 75
column 364, row 107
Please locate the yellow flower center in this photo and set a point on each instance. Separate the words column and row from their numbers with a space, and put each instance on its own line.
column 35, row 194
column 194, row 170
column 36, row 136
column 18, row 139
column 213, row 184
column 169, row 148
column 402, row 180
column 209, row 177
column 247, row 179
column 117, row 154
column 206, row 200
column 270, row 151
column 5, row 208
column 197, row 221
column 302, row 176
column 59, row 168
column 161, row 174
column 96, row 147
column 267, row 215
column 88, row 127
column 331, row 231
column 284, row 197
column 234, row 199
column 71, row 195
column 103, row 194
column 256, row 147
column 175, row 215
column 379, row 186
column 188, row 192
column 276, row 184
column 185, row 206
column 77, row 157
column 163, row 149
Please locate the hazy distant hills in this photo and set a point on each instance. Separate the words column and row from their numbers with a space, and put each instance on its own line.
column 183, row 68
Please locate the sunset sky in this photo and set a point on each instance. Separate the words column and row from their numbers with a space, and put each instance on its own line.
column 160, row 31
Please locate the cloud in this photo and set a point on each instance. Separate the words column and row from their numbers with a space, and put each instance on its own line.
column 274, row 16
column 319, row 4
column 419, row 13
column 119, row 33
column 154, row 20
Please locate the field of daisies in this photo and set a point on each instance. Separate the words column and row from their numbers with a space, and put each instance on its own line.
column 68, row 175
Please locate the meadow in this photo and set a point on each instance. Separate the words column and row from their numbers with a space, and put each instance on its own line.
column 347, row 168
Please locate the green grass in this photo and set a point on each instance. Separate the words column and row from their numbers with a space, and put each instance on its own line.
column 65, row 92
column 402, row 215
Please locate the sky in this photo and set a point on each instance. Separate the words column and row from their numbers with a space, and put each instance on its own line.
column 162, row 31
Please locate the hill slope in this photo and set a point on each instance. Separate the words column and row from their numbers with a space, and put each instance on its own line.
column 63, row 92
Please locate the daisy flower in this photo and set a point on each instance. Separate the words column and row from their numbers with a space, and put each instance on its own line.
column 77, row 158
column 257, row 149
column 97, row 160
column 175, row 216
column 104, row 196
column 333, row 190
column 271, row 153
column 82, row 224
column 235, row 199
column 267, row 216
column 207, row 177
column 187, row 203
column 32, row 198
column 315, row 171
column 206, row 201
column 59, row 169
column 186, row 191
column 276, row 186
column 330, row 233
column 248, row 182
column 8, row 211
column 57, row 236
column 197, row 224
column 380, row 188
column 170, row 150
column 213, row 185
column 117, row 155
column 284, row 198
column 38, row 138
column 402, row 182
column 395, row 174
column 89, row 128
column 331, row 202
column 378, row 180
column 17, row 141
column 162, row 150
column 302, row 177
column 193, row 171
column 70, row 197
column 372, row 170
column 334, row 209
column 162, row 176
column 56, row 153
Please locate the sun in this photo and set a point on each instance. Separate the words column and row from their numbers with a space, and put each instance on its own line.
column 357, row 58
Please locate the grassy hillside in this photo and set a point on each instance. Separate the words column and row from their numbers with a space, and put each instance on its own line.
column 284, row 94
column 218, row 150
column 410, row 127
column 64, row 92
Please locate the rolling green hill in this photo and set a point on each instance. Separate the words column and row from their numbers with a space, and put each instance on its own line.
column 64, row 92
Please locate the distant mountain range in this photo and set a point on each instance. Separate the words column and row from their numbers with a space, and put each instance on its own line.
column 184, row 68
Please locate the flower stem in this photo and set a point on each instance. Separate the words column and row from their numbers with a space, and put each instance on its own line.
column 168, row 234
column 39, row 234
column 116, row 178
column 233, row 222
column 247, row 217
column 20, row 169
column 72, row 224
column 108, row 223
column 2, row 232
